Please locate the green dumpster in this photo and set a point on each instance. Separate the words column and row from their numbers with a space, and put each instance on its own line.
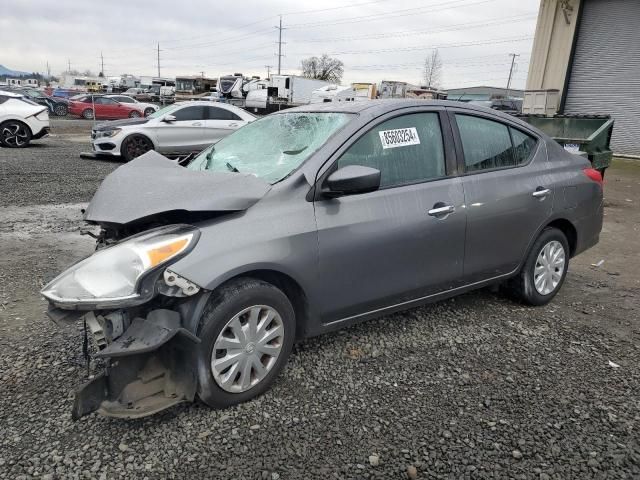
column 585, row 133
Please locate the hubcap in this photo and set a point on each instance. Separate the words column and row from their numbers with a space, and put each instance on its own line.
column 14, row 134
column 136, row 146
column 247, row 348
column 549, row 267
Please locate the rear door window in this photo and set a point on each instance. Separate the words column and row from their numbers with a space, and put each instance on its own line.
column 523, row 145
column 216, row 113
column 195, row 112
column 486, row 144
column 406, row 149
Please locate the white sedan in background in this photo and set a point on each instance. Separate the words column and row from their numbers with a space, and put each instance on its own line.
column 145, row 108
column 21, row 120
column 181, row 128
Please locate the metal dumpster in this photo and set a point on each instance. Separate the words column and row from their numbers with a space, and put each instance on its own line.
column 579, row 133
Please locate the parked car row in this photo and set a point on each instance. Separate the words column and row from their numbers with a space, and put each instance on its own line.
column 109, row 107
column 21, row 120
column 57, row 106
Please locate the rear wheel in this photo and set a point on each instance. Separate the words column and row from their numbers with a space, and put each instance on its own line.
column 544, row 271
column 88, row 114
column 14, row 134
column 134, row 146
column 247, row 334
column 134, row 114
column 61, row 110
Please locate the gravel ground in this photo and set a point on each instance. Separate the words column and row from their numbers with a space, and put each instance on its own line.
column 473, row 387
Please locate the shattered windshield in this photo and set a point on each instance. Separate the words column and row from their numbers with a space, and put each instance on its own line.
column 272, row 147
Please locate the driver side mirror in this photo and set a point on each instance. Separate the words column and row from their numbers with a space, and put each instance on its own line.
column 350, row 180
column 169, row 118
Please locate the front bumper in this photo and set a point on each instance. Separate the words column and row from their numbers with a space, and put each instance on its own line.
column 106, row 145
column 148, row 369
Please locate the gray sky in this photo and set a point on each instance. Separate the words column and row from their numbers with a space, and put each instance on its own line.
column 376, row 39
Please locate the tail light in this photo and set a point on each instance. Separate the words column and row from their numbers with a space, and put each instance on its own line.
column 594, row 175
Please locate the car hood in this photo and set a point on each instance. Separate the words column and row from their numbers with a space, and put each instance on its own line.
column 120, row 123
column 152, row 184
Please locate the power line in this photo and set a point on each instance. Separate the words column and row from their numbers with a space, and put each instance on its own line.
column 422, row 47
column 387, row 15
column 409, row 33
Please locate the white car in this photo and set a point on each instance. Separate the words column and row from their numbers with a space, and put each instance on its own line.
column 145, row 108
column 21, row 120
column 180, row 128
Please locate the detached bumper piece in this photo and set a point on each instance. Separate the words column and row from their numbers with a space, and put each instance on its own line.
column 149, row 369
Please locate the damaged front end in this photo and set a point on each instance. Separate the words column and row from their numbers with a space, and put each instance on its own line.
column 139, row 314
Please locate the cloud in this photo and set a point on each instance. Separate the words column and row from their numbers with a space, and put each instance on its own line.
column 376, row 39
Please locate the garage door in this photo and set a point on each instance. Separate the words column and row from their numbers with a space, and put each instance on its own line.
column 605, row 78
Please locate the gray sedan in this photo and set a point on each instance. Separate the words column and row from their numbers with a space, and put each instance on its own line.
column 306, row 221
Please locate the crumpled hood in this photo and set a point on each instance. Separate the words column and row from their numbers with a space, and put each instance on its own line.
column 152, row 184
column 120, row 123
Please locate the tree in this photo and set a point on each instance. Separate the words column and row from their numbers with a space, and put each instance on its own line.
column 323, row 68
column 432, row 70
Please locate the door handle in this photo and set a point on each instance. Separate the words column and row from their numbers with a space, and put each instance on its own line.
column 541, row 192
column 233, row 124
column 196, row 124
column 444, row 210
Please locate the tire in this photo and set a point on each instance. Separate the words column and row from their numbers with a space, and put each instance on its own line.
column 524, row 286
column 61, row 110
column 242, row 295
column 134, row 114
column 15, row 134
column 88, row 114
column 134, row 146
column 148, row 111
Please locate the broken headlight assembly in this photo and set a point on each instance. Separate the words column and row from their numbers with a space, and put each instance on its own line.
column 116, row 275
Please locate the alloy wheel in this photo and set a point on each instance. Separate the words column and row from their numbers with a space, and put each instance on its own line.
column 14, row 134
column 136, row 146
column 60, row 110
column 549, row 267
column 247, row 348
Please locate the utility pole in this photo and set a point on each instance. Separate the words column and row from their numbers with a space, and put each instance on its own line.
column 48, row 70
column 102, row 64
column 201, row 74
column 158, row 59
column 280, row 28
column 69, row 62
column 513, row 62
column 268, row 70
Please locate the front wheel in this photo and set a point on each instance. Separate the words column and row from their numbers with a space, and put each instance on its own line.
column 545, row 269
column 14, row 134
column 134, row 146
column 247, row 332
column 148, row 111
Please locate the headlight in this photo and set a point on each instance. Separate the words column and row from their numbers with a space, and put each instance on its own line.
column 107, row 133
column 114, row 274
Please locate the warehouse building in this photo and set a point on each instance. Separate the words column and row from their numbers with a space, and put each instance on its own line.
column 586, row 60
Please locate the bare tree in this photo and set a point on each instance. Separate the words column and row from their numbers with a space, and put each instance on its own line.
column 323, row 68
column 432, row 69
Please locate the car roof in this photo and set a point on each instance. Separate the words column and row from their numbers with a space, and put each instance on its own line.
column 209, row 103
column 10, row 94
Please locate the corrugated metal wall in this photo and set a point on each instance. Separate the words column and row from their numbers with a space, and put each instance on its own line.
column 605, row 78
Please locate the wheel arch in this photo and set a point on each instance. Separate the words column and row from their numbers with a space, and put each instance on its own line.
column 569, row 231
column 289, row 286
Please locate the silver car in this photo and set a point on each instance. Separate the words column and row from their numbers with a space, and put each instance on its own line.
column 181, row 128
column 306, row 221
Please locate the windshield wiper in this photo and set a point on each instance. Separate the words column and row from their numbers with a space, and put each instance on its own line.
column 209, row 157
column 232, row 168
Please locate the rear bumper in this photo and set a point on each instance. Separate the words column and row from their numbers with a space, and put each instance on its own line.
column 588, row 230
column 42, row 133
